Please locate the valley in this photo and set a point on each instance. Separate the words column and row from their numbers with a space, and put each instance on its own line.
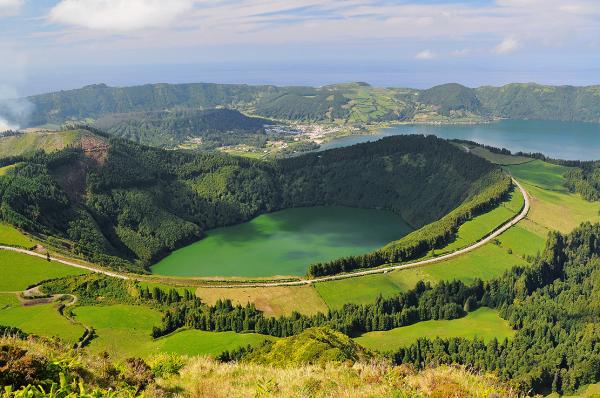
column 402, row 249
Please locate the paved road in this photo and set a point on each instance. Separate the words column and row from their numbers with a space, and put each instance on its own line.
column 494, row 234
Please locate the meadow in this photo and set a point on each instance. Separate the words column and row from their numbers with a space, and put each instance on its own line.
column 124, row 331
column 477, row 228
column 11, row 236
column 483, row 323
column 20, row 271
column 488, row 261
column 43, row 320
column 497, row 158
column 549, row 198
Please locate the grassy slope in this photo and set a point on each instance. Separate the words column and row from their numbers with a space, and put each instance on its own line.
column 498, row 158
column 483, row 323
column 198, row 342
column 124, row 331
column 43, row 320
column 20, row 270
column 475, row 229
column 8, row 300
column 11, row 236
column 549, row 198
column 30, row 142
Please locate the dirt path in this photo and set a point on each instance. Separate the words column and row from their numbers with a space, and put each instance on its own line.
column 65, row 262
column 488, row 238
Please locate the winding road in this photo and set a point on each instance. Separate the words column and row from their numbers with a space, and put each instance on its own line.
column 382, row 270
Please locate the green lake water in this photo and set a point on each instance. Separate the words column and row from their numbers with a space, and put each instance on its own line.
column 562, row 140
column 285, row 242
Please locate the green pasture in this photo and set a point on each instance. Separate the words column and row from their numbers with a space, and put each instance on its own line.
column 486, row 262
column 480, row 226
column 124, row 331
column 20, row 270
column 11, row 236
column 8, row 300
column 198, row 342
column 541, row 174
column 42, row 320
column 483, row 323
column 497, row 158
column 522, row 241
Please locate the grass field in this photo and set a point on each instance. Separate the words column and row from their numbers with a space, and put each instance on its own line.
column 20, row 270
column 198, row 342
column 274, row 301
column 522, row 241
column 486, row 262
column 482, row 323
column 541, row 174
column 43, row 320
column 561, row 211
column 497, row 158
column 124, row 331
column 8, row 300
column 549, row 198
column 11, row 236
column 475, row 229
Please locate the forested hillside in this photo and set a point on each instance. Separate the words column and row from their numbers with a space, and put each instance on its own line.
column 214, row 127
column 356, row 102
column 122, row 204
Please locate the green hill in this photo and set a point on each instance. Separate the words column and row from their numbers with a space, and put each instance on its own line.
column 29, row 142
column 352, row 103
column 121, row 203
column 214, row 127
column 315, row 346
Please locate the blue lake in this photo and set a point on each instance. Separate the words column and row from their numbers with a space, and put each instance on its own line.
column 562, row 140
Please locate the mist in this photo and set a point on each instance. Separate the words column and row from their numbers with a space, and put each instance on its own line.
column 14, row 111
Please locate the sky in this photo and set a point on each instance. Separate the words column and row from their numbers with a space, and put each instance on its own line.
column 48, row 45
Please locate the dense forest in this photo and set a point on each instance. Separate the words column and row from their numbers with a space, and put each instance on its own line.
column 356, row 102
column 125, row 205
column 585, row 180
column 214, row 127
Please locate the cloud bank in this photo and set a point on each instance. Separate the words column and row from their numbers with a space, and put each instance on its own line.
column 10, row 7
column 119, row 15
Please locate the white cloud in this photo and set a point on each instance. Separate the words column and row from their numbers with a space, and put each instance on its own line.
column 425, row 55
column 119, row 15
column 10, row 7
column 507, row 46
